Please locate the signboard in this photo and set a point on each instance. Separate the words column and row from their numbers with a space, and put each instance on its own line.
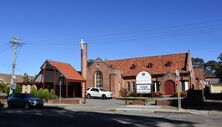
column 143, row 89
column 143, row 78
column 143, row 82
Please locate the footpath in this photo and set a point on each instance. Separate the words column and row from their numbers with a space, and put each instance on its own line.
column 133, row 108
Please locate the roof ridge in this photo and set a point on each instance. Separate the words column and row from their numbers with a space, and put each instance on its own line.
column 57, row 62
column 145, row 57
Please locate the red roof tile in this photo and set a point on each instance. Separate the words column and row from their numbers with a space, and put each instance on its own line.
column 132, row 66
column 67, row 70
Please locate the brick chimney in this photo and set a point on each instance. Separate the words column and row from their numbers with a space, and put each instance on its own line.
column 83, row 64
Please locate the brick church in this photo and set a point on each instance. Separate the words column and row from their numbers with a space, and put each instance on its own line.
column 155, row 72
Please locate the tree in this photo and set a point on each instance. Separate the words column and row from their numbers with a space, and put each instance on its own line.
column 220, row 57
column 26, row 79
column 211, row 67
column 219, row 69
column 198, row 62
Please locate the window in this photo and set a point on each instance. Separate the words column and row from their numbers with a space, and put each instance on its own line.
column 168, row 64
column 128, row 86
column 98, row 79
column 150, row 65
column 134, row 86
column 133, row 66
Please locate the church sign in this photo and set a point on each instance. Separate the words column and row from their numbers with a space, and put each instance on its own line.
column 143, row 83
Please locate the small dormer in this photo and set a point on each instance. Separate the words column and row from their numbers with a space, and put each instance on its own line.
column 133, row 66
column 149, row 65
column 168, row 64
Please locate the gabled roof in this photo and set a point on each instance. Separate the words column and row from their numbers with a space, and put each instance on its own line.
column 199, row 73
column 152, row 64
column 66, row 69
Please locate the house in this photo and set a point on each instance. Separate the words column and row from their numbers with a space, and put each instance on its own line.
column 200, row 78
column 6, row 78
column 214, row 83
column 59, row 76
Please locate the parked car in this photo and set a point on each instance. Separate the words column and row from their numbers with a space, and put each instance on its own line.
column 25, row 100
column 99, row 93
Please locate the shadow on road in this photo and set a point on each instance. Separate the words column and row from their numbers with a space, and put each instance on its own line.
column 205, row 106
column 57, row 117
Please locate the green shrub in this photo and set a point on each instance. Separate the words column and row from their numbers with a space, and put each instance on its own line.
column 34, row 91
column 52, row 94
column 45, row 94
column 40, row 93
column 18, row 89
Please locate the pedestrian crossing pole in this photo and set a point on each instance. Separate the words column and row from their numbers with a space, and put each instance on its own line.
column 15, row 43
column 178, row 89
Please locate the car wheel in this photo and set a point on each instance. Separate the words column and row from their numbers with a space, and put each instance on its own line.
column 27, row 105
column 10, row 104
column 103, row 96
column 88, row 96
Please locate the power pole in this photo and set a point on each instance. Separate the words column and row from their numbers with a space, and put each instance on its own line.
column 15, row 43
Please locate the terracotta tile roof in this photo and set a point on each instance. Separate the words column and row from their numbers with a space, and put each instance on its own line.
column 199, row 73
column 67, row 70
column 151, row 64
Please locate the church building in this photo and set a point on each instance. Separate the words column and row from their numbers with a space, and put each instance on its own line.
column 143, row 75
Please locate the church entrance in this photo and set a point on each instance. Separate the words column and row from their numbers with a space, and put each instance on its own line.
column 169, row 87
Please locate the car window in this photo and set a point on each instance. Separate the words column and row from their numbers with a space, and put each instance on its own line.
column 20, row 95
column 93, row 89
column 87, row 88
column 97, row 90
column 15, row 95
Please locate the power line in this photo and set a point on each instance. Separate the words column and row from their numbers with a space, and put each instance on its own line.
column 145, row 30
column 147, row 35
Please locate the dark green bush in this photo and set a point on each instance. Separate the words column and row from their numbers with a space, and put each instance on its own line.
column 18, row 89
column 132, row 94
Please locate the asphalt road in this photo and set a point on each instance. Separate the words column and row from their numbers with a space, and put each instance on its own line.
column 57, row 117
column 99, row 113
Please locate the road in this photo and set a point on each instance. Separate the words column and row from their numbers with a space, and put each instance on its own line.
column 79, row 117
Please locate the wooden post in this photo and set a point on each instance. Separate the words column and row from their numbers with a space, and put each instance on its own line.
column 67, row 88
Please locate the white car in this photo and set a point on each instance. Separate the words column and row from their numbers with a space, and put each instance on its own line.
column 98, row 92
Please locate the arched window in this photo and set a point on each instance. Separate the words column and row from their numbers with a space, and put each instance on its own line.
column 98, row 79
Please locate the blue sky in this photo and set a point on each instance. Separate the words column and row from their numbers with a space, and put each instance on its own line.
column 113, row 29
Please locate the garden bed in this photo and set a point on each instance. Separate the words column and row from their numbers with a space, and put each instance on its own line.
column 136, row 100
column 57, row 101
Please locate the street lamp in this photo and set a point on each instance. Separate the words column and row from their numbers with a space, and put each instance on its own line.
column 60, row 87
